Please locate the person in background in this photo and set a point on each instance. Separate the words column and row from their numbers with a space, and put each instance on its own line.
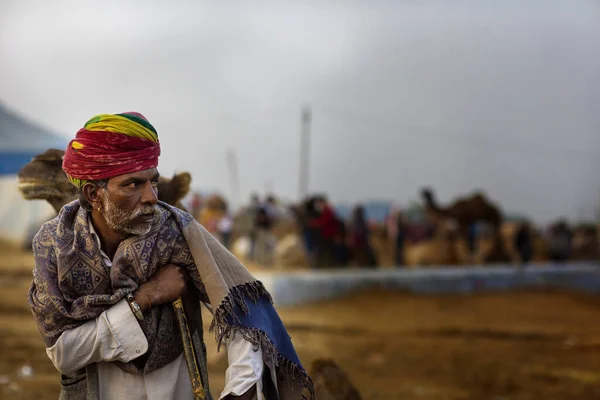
column 252, row 214
column 271, row 208
column 400, row 238
column 327, row 225
column 362, row 253
column 301, row 214
column 263, row 252
column 196, row 205
column 225, row 228
column 560, row 242
column 472, row 238
column 341, row 253
column 430, row 228
column 523, row 242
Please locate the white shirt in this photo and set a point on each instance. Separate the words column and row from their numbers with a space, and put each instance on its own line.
column 116, row 335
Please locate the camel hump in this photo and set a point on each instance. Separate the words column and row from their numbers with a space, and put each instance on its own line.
column 479, row 196
column 50, row 155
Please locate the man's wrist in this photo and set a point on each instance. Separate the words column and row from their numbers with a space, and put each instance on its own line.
column 135, row 307
column 143, row 301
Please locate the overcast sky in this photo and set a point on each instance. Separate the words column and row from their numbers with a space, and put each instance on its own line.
column 502, row 96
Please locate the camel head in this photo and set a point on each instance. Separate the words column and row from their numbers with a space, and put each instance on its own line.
column 43, row 178
column 434, row 213
column 173, row 190
column 429, row 199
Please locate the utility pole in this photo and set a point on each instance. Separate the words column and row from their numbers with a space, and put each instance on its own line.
column 234, row 182
column 304, row 152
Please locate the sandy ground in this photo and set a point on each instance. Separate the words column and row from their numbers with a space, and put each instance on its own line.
column 392, row 345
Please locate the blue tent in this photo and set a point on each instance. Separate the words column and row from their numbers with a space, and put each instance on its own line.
column 20, row 140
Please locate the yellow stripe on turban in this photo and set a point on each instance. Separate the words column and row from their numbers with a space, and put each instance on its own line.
column 84, row 158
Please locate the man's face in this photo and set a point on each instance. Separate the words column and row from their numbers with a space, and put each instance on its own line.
column 128, row 202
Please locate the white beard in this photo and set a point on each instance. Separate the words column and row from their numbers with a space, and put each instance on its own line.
column 121, row 220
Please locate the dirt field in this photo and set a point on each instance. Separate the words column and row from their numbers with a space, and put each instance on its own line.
column 513, row 346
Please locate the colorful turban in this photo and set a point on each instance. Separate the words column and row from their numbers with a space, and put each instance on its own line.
column 110, row 145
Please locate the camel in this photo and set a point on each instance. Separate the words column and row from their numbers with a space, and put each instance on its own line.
column 331, row 382
column 468, row 211
column 465, row 211
column 289, row 252
column 585, row 246
column 445, row 248
column 43, row 178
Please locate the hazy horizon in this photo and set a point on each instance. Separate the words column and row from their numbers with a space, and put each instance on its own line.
column 501, row 97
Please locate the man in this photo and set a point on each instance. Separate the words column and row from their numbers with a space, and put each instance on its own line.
column 262, row 249
column 560, row 241
column 328, row 227
column 225, row 228
column 109, row 266
column 401, row 233
column 523, row 242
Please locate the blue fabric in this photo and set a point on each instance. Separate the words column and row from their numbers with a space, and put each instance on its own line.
column 262, row 315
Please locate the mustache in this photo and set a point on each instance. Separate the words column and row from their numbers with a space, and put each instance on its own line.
column 145, row 211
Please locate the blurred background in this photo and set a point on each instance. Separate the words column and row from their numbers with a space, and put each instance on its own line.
column 342, row 137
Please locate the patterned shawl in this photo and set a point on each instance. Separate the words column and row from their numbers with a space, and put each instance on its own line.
column 72, row 285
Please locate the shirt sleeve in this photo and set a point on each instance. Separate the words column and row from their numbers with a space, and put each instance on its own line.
column 115, row 335
column 245, row 369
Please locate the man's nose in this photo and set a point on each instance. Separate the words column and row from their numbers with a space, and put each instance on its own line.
column 150, row 196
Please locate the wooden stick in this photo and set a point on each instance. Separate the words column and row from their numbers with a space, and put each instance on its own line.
column 188, row 350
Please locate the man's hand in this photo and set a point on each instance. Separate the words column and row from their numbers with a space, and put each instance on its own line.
column 167, row 284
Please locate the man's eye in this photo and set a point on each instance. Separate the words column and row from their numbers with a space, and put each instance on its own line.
column 154, row 183
column 132, row 185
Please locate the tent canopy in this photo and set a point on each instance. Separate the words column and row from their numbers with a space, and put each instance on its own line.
column 21, row 140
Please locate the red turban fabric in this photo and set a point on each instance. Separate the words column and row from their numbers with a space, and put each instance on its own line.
column 111, row 145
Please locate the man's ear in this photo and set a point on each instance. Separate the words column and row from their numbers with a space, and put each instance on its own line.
column 92, row 195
